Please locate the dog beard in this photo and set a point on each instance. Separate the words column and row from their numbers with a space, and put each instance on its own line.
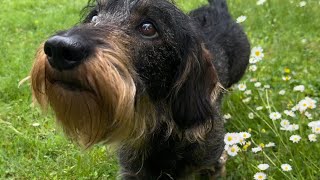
column 93, row 102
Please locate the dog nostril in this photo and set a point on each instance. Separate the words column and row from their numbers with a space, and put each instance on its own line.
column 68, row 55
column 48, row 51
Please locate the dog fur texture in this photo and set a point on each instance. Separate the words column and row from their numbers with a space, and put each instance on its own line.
column 144, row 76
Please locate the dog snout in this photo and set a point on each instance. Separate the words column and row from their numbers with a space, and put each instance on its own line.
column 65, row 53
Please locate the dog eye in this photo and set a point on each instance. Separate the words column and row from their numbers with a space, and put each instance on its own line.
column 148, row 30
column 94, row 19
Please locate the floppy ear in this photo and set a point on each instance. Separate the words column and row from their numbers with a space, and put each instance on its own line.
column 191, row 103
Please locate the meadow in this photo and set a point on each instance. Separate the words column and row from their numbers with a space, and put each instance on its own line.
column 272, row 115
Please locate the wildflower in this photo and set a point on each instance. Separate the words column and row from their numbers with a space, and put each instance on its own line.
column 308, row 115
column 257, row 84
column 285, row 123
column 271, row 144
column 315, row 125
column 287, row 70
column 282, row 92
column 233, row 150
column 286, row 167
column 245, row 135
column 261, row 2
column 253, row 60
column 260, row 176
column 227, row 116
column 231, row 138
column 259, row 108
column 257, row 53
column 248, row 92
column 299, row 88
column 242, row 87
column 303, row 105
column 267, row 86
column 246, row 100
column 253, row 68
column 241, row 19
column 289, row 113
column 286, row 78
column 263, row 167
column 311, row 103
column 256, row 149
column 312, row 137
column 302, row 3
column 35, row 124
column 251, row 115
column 253, row 80
column 295, row 138
column 275, row 115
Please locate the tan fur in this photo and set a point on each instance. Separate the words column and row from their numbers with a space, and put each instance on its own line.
column 103, row 109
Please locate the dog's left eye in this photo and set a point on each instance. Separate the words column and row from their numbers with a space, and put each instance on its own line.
column 148, row 30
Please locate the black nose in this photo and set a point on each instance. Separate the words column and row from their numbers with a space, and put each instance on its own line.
column 65, row 53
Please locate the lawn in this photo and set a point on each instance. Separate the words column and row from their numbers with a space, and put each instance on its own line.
column 32, row 147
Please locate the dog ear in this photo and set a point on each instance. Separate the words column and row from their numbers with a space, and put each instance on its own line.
column 196, row 81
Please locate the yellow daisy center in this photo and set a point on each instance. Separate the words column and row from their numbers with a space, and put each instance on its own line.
column 229, row 138
column 257, row 53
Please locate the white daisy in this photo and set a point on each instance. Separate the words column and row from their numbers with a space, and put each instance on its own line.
column 302, row 3
column 241, row 19
column 271, row 144
column 295, row 138
column 260, row 176
column 246, row 100
column 261, row 2
column 233, row 150
column 257, row 84
column 257, row 53
column 35, row 124
column 231, row 138
column 289, row 113
column 248, row 92
column 286, row 167
column 275, row 115
column 259, row 108
column 282, row 92
column 256, row 149
column 242, row 87
column 312, row 137
column 299, row 88
column 263, row 167
column 253, row 68
column 245, row 135
column 250, row 115
column 227, row 116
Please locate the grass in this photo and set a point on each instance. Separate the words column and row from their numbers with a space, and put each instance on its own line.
column 287, row 33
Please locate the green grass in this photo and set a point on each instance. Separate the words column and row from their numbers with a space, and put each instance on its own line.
column 288, row 34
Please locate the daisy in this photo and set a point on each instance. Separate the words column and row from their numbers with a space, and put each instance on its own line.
column 275, row 115
column 248, row 92
column 311, row 102
column 246, row 100
column 257, row 53
column 253, row 68
column 282, row 92
column 263, row 167
column 266, row 86
column 285, row 123
column 289, row 113
column 35, row 124
column 257, row 84
column 241, row 19
column 303, row 105
column 245, row 135
column 299, row 88
column 271, row 144
column 302, row 3
column 227, row 116
column 260, row 176
column 295, row 138
column 242, row 87
column 312, row 137
column 286, row 78
column 231, row 138
column 259, row 108
column 233, row 150
column 256, row 149
column 308, row 115
column 261, row 2
column 286, row 167
column 250, row 115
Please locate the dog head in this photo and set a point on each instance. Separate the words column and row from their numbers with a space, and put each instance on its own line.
column 129, row 66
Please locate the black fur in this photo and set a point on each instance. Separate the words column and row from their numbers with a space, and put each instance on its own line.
column 178, row 70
